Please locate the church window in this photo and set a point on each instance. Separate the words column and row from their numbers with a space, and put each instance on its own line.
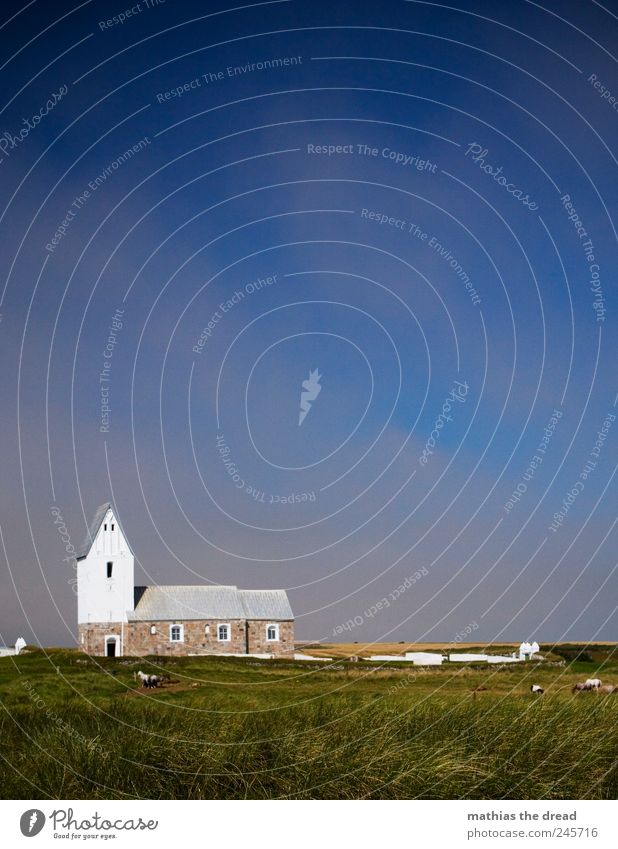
column 223, row 633
column 110, row 567
column 176, row 633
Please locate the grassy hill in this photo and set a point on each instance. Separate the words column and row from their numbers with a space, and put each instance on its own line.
column 78, row 727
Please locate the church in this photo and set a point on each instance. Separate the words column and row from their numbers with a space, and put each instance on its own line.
column 116, row 618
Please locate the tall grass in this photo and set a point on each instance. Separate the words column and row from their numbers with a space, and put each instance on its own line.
column 437, row 748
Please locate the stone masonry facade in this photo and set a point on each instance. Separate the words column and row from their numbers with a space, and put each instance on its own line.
column 199, row 637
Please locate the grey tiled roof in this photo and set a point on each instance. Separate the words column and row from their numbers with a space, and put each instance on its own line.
column 266, row 604
column 93, row 530
column 208, row 602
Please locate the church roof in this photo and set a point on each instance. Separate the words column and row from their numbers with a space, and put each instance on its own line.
column 266, row 604
column 208, row 602
column 93, row 530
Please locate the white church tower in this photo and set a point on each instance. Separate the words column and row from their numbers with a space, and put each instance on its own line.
column 105, row 581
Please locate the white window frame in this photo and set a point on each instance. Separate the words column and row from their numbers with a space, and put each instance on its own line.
column 221, row 639
column 274, row 639
column 153, row 630
column 181, row 639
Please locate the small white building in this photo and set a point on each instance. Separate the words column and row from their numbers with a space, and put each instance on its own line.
column 11, row 651
column 467, row 658
column 527, row 650
column 387, row 657
column 498, row 658
column 424, row 658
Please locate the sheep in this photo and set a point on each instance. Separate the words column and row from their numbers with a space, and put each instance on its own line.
column 534, row 688
column 594, row 683
column 581, row 687
column 151, row 681
column 607, row 688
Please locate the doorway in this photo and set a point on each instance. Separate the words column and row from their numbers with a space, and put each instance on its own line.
column 111, row 645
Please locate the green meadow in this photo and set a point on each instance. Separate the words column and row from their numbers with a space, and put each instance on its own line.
column 74, row 727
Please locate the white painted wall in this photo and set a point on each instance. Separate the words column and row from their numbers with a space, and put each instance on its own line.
column 497, row 658
column 466, row 658
column 99, row 598
column 423, row 658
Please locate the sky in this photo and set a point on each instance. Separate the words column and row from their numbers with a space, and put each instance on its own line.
column 394, row 218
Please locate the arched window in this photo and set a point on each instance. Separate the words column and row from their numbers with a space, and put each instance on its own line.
column 177, row 633
column 153, row 629
column 272, row 633
column 223, row 632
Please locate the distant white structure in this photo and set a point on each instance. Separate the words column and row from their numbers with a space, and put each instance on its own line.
column 387, row 657
column 301, row 656
column 11, row 651
column 497, row 658
column 466, row 658
column 527, row 650
column 424, row 658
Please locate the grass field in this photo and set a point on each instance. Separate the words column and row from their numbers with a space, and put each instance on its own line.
column 73, row 727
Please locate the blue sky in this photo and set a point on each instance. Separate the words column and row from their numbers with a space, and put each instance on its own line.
column 434, row 244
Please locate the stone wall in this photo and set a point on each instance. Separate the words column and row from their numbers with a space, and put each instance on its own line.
column 91, row 636
column 200, row 637
column 258, row 643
